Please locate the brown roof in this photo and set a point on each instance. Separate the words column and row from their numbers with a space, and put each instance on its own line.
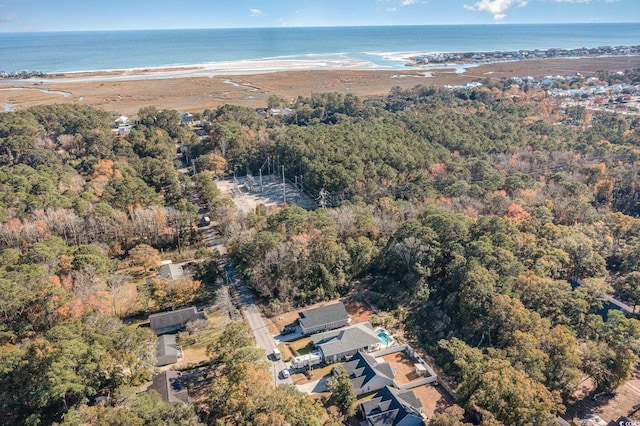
column 170, row 386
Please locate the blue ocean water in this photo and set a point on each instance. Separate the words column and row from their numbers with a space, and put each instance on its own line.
column 378, row 46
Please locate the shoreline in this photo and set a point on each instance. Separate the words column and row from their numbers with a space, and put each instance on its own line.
column 460, row 61
column 195, row 89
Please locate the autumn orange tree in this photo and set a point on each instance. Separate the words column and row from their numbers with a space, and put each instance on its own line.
column 146, row 256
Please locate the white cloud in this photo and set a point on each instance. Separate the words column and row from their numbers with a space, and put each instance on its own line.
column 391, row 9
column 408, row 2
column 255, row 12
column 8, row 18
column 496, row 7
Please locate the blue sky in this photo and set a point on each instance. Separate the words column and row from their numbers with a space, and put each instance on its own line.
column 80, row 15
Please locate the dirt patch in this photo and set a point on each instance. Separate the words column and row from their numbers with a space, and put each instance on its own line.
column 403, row 367
column 314, row 375
column 624, row 402
column 358, row 311
column 433, row 399
column 249, row 192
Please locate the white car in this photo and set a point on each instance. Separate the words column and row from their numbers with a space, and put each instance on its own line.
column 285, row 373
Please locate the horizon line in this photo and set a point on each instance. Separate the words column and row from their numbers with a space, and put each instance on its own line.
column 499, row 24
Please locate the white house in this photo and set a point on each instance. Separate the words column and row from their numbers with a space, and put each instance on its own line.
column 366, row 374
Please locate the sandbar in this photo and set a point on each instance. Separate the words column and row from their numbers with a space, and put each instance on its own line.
column 251, row 84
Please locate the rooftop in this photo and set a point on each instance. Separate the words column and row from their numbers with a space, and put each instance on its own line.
column 171, row 272
column 170, row 386
column 346, row 339
column 173, row 318
column 323, row 315
column 362, row 367
column 391, row 406
column 167, row 350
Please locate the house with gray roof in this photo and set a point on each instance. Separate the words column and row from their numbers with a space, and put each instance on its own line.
column 168, row 351
column 171, row 387
column 174, row 321
column 171, row 272
column 392, row 407
column 324, row 318
column 366, row 374
column 345, row 342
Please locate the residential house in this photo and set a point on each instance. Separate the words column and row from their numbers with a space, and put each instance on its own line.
column 122, row 121
column 168, row 351
column 340, row 344
column 324, row 318
column 122, row 125
column 187, row 118
column 171, row 387
column 366, row 374
column 170, row 272
column 174, row 321
column 392, row 407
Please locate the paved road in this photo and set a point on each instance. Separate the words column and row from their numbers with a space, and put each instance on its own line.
column 245, row 301
column 260, row 331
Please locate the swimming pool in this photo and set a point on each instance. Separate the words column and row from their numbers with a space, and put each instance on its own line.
column 385, row 339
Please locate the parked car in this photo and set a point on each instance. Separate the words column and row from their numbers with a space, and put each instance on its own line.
column 288, row 329
column 285, row 374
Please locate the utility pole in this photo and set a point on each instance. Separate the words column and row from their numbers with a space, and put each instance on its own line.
column 322, row 199
column 275, row 382
column 284, row 188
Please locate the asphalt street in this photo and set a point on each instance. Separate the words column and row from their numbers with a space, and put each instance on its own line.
column 245, row 301
column 263, row 337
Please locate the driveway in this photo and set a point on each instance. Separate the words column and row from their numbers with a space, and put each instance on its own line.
column 290, row 337
column 313, row 387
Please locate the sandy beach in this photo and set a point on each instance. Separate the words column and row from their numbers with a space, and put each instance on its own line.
column 250, row 83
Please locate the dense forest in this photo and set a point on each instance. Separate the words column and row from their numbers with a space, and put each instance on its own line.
column 490, row 220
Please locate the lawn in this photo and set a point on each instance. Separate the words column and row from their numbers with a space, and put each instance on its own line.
column 302, row 346
column 287, row 354
column 316, row 372
column 203, row 338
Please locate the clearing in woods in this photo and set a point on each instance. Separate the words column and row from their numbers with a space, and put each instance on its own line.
column 247, row 193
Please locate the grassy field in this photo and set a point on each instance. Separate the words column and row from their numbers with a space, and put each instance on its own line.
column 203, row 338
